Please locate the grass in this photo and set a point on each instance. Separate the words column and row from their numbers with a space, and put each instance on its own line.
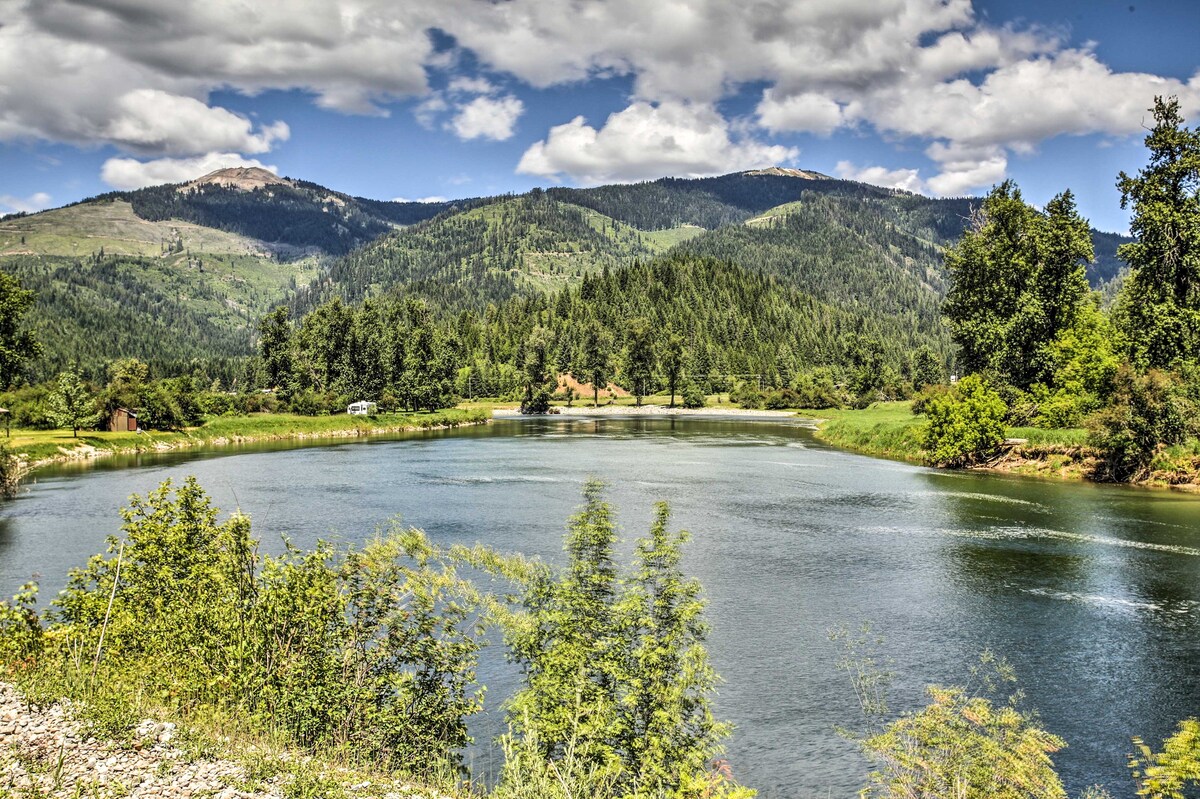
column 884, row 429
column 40, row 447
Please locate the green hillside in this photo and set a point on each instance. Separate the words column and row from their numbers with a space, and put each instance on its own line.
column 514, row 245
column 110, row 284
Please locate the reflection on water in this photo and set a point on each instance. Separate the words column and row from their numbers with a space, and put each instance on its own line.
column 1092, row 592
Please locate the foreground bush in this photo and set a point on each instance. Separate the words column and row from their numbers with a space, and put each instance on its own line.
column 367, row 650
column 965, row 425
column 369, row 654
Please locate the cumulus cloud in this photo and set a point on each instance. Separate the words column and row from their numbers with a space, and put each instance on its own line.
column 10, row 204
column 435, row 198
column 138, row 74
column 126, row 174
column 487, row 118
column 965, row 167
column 648, row 141
column 906, row 179
column 149, row 120
column 808, row 112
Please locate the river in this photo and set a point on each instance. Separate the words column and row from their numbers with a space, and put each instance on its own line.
column 1091, row 592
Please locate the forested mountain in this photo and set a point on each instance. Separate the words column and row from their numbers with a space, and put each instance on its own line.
column 125, row 306
column 179, row 272
column 256, row 203
column 175, row 272
column 527, row 244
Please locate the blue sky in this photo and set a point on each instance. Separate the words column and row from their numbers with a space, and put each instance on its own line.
column 402, row 99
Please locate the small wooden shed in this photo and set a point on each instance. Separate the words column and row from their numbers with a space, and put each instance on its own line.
column 123, row 420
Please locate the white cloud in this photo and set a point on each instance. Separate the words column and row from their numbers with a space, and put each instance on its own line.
column 138, row 74
column 431, row 199
column 469, row 85
column 38, row 201
column 965, row 167
column 153, row 121
column 485, row 118
column 906, row 179
column 809, row 112
column 129, row 173
column 647, row 141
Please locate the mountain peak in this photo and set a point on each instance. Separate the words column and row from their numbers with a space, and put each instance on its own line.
column 787, row 172
column 246, row 178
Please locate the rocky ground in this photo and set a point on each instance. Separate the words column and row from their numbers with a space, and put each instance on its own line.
column 43, row 754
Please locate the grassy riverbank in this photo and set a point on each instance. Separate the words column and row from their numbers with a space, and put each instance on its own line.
column 37, row 448
column 890, row 430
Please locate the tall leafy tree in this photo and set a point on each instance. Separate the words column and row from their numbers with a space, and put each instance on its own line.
column 926, row 368
column 71, row 404
column 569, row 647
column 672, row 362
column 1052, row 293
column 17, row 344
column 989, row 266
column 1160, row 303
column 639, row 358
column 275, row 346
column 668, row 733
column 1017, row 279
column 537, row 369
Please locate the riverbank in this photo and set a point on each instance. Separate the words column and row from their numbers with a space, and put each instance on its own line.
column 36, row 449
column 646, row 409
column 890, row 430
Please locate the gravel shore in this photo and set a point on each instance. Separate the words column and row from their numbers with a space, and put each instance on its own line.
column 655, row 410
column 44, row 754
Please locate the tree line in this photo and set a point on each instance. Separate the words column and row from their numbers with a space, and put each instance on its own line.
column 1039, row 349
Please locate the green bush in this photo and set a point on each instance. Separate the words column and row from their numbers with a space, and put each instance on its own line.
column 965, row 425
column 926, row 395
column 693, row 397
column 1147, row 412
column 370, row 649
column 748, row 395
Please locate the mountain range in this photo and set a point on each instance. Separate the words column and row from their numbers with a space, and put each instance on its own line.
column 175, row 273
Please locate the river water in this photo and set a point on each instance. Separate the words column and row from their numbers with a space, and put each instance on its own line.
column 1091, row 592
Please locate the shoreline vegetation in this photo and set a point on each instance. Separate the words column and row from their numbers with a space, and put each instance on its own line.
column 37, row 449
column 883, row 430
column 891, row 430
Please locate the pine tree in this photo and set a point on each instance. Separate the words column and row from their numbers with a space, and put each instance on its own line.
column 1160, row 303
column 594, row 363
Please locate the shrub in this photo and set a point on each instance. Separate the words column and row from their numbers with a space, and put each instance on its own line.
column 537, row 401
column 20, row 629
column 748, row 395
column 964, row 745
column 926, row 395
column 965, row 425
column 372, row 649
column 693, row 397
column 780, row 399
column 1147, row 412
